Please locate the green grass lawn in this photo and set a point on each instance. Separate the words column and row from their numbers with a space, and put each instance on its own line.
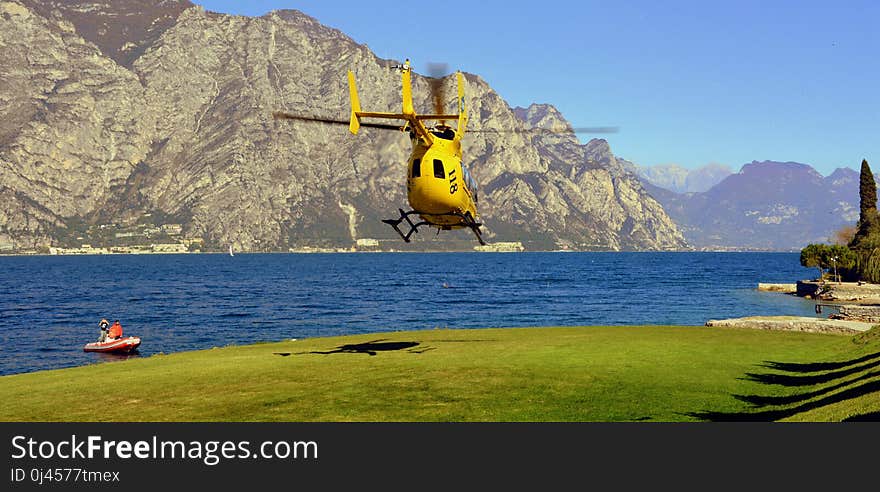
column 631, row 373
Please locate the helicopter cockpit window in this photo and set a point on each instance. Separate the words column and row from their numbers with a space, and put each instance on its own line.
column 438, row 169
column 417, row 168
column 469, row 180
column 445, row 133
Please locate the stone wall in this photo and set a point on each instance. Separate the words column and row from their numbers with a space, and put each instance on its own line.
column 784, row 288
column 856, row 292
column 793, row 323
column 868, row 313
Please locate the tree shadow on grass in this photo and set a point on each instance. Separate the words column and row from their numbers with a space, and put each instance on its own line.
column 788, row 380
column 817, row 366
column 771, row 415
column 865, row 417
column 839, row 391
column 763, row 401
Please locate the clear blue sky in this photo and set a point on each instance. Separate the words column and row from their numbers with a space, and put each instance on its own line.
column 687, row 82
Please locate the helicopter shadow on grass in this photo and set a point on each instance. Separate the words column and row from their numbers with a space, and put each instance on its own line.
column 370, row 348
column 848, row 388
column 381, row 345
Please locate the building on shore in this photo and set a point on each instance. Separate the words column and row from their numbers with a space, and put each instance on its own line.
column 169, row 248
column 367, row 244
column 87, row 249
column 501, row 247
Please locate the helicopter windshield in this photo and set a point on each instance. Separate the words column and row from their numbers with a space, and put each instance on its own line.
column 469, row 181
column 444, row 132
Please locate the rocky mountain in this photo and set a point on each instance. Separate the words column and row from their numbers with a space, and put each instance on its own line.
column 126, row 119
column 122, row 30
column 682, row 180
column 766, row 206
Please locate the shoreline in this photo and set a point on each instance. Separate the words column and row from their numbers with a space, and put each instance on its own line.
column 855, row 302
column 391, row 251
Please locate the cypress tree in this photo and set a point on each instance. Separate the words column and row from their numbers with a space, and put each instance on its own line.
column 867, row 193
column 866, row 242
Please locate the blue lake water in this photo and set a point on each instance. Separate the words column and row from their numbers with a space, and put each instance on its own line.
column 50, row 305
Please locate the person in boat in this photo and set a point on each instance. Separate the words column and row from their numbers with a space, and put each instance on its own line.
column 115, row 331
column 104, row 325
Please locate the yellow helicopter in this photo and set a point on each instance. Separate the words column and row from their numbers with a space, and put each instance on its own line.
column 440, row 189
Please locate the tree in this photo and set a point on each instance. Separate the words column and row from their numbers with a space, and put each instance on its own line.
column 866, row 242
column 844, row 235
column 867, row 236
column 837, row 257
column 828, row 257
column 811, row 256
column 867, row 193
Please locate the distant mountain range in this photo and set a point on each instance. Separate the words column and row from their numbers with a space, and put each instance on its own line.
column 682, row 180
column 765, row 206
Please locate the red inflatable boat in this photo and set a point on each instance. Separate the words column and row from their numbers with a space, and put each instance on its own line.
column 120, row 346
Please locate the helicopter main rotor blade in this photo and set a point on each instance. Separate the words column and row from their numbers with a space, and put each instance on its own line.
column 278, row 115
column 549, row 131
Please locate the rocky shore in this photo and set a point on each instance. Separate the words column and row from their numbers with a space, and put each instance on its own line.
column 840, row 292
column 783, row 288
column 854, row 301
column 857, row 305
column 858, row 312
column 794, row 323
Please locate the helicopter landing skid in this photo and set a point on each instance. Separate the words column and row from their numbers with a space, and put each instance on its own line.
column 467, row 218
column 405, row 216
